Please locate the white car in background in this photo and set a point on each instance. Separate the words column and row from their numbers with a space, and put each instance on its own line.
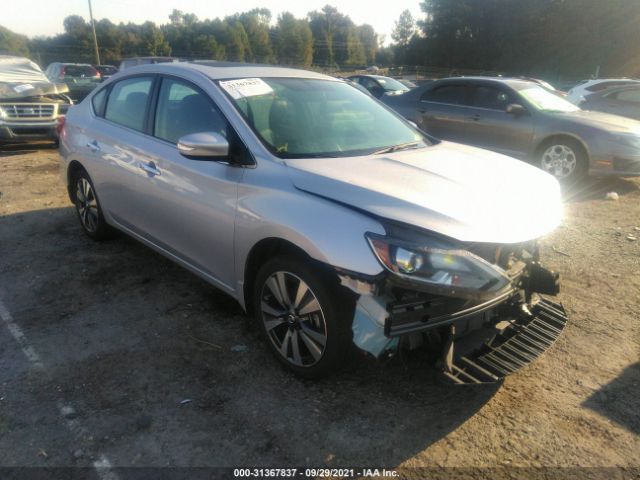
column 580, row 92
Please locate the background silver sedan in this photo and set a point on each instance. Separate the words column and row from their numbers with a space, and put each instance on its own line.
column 521, row 119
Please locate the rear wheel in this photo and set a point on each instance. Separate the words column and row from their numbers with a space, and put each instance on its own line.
column 563, row 158
column 304, row 316
column 88, row 208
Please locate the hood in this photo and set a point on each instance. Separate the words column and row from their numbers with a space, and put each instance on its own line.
column 17, row 91
column 462, row 192
column 22, row 78
column 603, row 121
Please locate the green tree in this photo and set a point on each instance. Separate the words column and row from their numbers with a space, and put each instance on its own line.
column 294, row 41
column 256, row 25
column 12, row 43
column 369, row 40
column 404, row 29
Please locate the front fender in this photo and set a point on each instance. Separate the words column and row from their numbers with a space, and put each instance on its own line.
column 326, row 231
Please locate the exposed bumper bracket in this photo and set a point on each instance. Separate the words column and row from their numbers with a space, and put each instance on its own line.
column 520, row 343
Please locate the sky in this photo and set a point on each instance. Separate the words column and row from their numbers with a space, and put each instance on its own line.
column 44, row 17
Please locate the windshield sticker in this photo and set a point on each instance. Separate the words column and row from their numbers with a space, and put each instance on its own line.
column 23, row 88
column 246, row 87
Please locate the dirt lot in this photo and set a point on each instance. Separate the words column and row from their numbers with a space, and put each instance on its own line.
column 126, row 338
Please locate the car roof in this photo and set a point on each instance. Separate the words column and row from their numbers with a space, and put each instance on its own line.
column 371, row 76
column 149, row 58
column 601, row 80
column 505, row 80
column 226, row 70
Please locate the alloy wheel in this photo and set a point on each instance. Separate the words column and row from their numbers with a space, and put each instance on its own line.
column 293, row 319
column 87, row 205
column 559, row 160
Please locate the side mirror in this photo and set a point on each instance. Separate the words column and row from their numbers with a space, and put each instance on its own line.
column 204, row 146
column 516, row 109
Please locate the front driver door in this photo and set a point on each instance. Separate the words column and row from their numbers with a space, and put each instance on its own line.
column 490, row 126
column 188, row 206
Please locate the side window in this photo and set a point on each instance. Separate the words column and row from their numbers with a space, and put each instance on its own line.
column 183, row 109
column 127, row 103
column 490, row 97
column 452, row 94
column 99, row 101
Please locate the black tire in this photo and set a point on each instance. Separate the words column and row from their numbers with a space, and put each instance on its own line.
column 88, row 207
column 336, row 307
column 568, row 149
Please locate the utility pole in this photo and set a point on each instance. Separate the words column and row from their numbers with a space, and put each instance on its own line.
column 95, row 38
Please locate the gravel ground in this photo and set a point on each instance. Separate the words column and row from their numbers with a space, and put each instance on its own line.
column 138, row 363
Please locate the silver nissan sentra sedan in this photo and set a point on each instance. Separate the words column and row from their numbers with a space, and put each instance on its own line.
column 330, row 218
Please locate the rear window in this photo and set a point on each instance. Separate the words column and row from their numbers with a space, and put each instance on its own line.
column 107, row 70
column 80, row 71
column 128, row 100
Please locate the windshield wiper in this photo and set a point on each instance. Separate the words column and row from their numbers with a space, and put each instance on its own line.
column 397, row 148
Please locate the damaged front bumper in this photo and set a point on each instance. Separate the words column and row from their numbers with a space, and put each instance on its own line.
column 477, row 341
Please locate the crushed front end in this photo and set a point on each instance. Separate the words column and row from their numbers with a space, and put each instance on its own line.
column 30, row 105
column 478, row 306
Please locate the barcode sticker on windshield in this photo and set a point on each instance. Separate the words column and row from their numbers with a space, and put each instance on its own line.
column 246, row 87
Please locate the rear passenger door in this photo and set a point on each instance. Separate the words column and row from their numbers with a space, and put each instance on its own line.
column 443, row 111
column 490, row 126
column 114, row 145
column 185, row 206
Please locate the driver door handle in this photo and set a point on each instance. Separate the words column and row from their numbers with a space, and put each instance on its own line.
column 93, row 146
column 476, row 117
column 150, row 168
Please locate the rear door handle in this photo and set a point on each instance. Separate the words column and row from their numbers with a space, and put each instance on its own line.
column 475, row 118
column 150, row 168
column 93, row 146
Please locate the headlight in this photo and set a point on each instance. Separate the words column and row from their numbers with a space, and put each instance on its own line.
column 440, row 270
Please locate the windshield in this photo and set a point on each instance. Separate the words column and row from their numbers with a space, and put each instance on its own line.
column 390, row 84
column 299, row 118
column 547, row 101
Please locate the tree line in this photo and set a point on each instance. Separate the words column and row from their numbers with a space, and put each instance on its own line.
column 547, row 38
column 325, row 38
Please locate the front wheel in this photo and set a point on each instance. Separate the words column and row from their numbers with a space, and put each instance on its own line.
column 564, row 159
column 304, row 315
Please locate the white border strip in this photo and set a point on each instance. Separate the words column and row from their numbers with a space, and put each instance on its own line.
column 18, row 335
column 102, row 466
